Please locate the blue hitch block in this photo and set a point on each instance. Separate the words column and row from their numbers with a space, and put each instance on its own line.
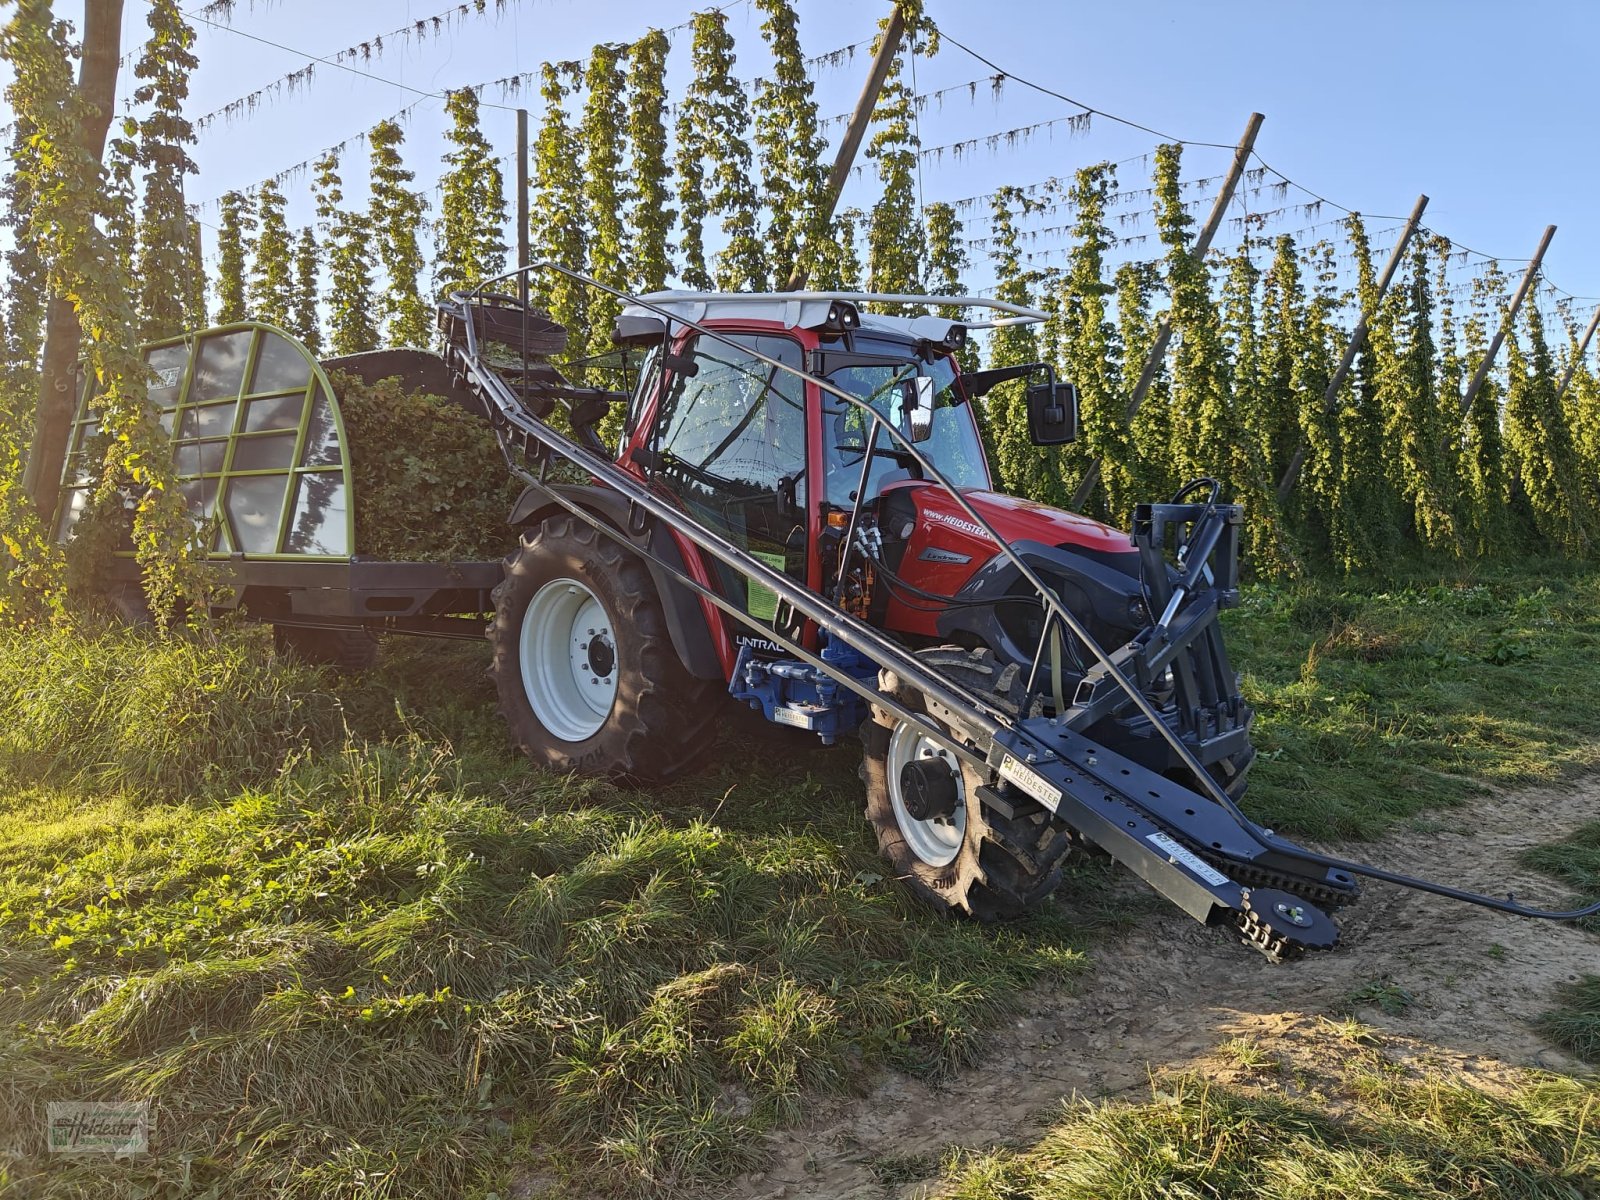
column 790, row 692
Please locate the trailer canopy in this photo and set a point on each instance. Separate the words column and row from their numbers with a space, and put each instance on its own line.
column 257, row 440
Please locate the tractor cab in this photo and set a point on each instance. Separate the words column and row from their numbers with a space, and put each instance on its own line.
column 798, row 475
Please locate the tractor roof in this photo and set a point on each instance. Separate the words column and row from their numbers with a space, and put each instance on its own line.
column 808, row 310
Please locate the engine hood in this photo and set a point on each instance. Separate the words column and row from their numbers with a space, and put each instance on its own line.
column 1015, row 520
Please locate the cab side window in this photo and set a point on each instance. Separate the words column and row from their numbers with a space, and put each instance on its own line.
column 731, row 444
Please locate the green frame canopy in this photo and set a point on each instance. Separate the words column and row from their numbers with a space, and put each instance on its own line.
column 257, row 439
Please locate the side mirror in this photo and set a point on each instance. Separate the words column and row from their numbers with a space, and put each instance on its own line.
column 918, row 404
column 1052, row 414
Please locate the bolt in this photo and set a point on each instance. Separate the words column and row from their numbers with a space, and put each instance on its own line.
column 1091, row 760
column 1033, row 758
column 594, row 681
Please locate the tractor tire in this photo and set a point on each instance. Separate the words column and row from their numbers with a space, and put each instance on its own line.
column 349, row 651
column 586, row 672
column 973, row 861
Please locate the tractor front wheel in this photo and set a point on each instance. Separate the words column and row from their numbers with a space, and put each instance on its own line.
column 922, row 802
column 584, row 666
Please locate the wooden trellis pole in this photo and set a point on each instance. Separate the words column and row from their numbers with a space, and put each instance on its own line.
column 1158, row 349
column 1358, row 335
column 1577, row 356
column 1523, row 288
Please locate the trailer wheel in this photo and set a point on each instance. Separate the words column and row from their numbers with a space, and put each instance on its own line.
column 584, row 666
column 348, row 650
column 922, row 803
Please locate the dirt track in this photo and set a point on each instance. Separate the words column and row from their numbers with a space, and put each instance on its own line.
column 1168, row 993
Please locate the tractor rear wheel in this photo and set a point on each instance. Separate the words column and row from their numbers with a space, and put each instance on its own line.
column 955, row 852
column 584, row 666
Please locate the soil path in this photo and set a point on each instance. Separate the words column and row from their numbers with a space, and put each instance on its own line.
column 1168, row 992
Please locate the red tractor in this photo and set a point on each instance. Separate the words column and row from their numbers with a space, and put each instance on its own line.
column 842, row 451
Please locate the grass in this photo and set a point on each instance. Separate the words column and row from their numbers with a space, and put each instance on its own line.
column 347, row 943
column 399, row 962
column 1380, row 701
column 1410, row 1138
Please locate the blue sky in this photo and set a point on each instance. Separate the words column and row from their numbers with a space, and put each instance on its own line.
column 1487, row 107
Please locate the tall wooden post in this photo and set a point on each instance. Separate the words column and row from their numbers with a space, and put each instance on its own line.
column 1523, row 288
column 1358, row 335
column 522, row 202
column 58, row 393
column 1577, row 355
column 1158, row 349
column 856, row 129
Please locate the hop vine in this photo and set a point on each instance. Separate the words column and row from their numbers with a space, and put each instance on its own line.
column 472, row 211
column 396, row 214
column 652, row 214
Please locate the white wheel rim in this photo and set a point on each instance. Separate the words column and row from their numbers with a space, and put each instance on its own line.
column 569, row 660
column 937, row 840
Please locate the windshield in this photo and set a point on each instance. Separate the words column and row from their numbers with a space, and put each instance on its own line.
column 954, row 447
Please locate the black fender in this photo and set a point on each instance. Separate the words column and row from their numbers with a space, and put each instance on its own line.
column 1106, row 597
column 686, row 621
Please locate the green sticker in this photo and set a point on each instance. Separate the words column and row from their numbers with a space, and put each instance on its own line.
column 762, row 603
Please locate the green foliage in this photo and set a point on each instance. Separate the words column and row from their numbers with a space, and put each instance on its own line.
column 1146, row 470
column 472, row 212
column 304, row 321
column 947, row 265
column 119, row 222
column 1539, row 444
column 192, row 284
column 838, row 264
column 792, row 151
column 233, row 246
column 714, row 163
column 429, row 480
column 1285, row 364
column 1368, row 510
column 557, row 210
column 272, row 284
column 652, row 215
column 24, row 301
column 603, row 135
column 80, row 262
column 167, row 249
column 1211, row 426
column 1020, row 467
column 1091, row 355
column 1486, row 477
column 352, row 307
column 1417, row 429
column 896, row 244
column 396, row 212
